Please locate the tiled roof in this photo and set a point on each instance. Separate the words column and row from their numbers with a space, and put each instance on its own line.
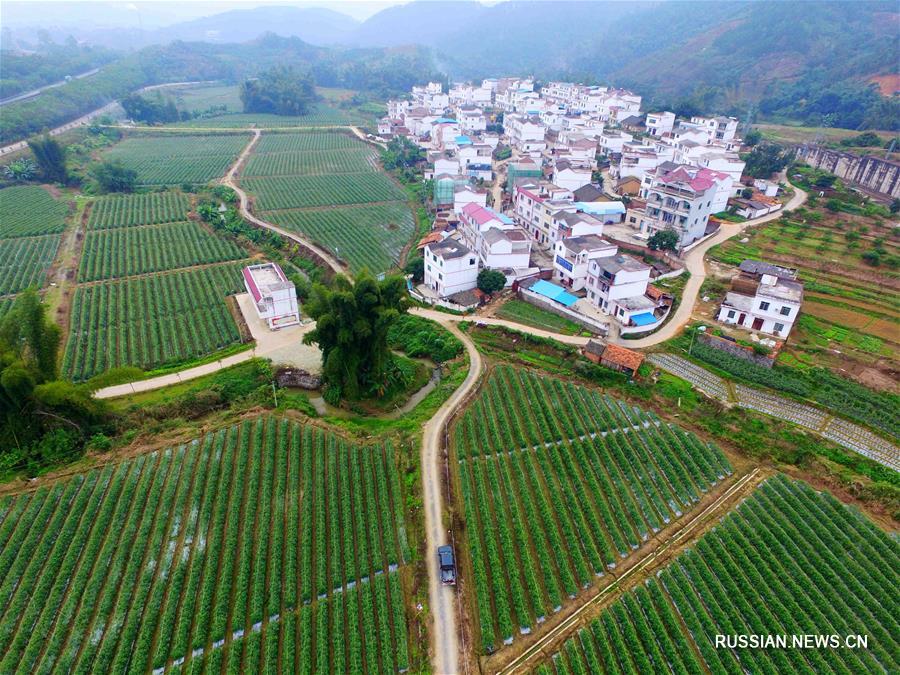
column 623, row 357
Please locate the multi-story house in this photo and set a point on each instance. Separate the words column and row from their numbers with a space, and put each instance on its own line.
column 526, row 134
column 570, row 177
column 763, row 297
column 450, row 267
column 536, row 203
column 610, row 141
column 573, row 255
column 718, row 128
column 659, row 123
column 463, row 195
column 505, row 249
column 471, row 119
column 618, row 285
column 681, row 198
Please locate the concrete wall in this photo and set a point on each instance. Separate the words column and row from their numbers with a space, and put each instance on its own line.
column 872, row 173
column 736, row 350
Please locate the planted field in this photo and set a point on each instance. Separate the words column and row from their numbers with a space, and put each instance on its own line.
column 559, row 483
column 328, row 187
column 311, row 162
column 367, row 236
column 173, row 159
column 291, row 192
column 127, row 251
column 29, row 210
column 530, row 315
column 264, row 547
column 787, row 561
column 139, row 209
column 322, row 115
column 150, row 321
column 24, row 262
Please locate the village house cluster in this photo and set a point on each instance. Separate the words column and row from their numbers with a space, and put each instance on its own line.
column 566, row 185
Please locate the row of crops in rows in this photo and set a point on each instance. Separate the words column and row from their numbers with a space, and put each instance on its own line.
column 150, row 321
column 267, row 546
column 138, row 209
column 311, row 141
column 24, row 261
column 137, row 250
column 29, row 210
column 322, row 114
column 291, row 192
column 555, row 496
column 368, row 237
column 787, row 561
column 174, row 159
column 309, row 162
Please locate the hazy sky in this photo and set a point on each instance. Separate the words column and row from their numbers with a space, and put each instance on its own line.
column 153, row 13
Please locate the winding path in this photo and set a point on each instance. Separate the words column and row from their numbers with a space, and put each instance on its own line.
column 230, row 180
column 444, row 632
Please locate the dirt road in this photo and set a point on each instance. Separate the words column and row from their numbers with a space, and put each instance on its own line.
column 230, row 180
column 444, row 636
column 695, row 264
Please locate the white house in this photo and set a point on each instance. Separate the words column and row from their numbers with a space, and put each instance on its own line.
column 506, row 249
column 718, row 128
column 573, row 255
column 463, row 195
column 450, row 267
column 659, row 123
column 566, row 223
column 764, row 297
column 471, row 119
column 610, row 141
column 569, row 177
column 618, row 285
column 274, row 296
column 682, row 199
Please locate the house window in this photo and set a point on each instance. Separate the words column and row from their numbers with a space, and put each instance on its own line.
column 471, row 261
column 441, row 277
column 731, row 314
column 779, row 327
column 763, row 306
column 785, row 311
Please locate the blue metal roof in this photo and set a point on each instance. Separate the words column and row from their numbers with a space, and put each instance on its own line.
column 602, row 208
column 554, row 292
column 643, row 319
column 463, row 140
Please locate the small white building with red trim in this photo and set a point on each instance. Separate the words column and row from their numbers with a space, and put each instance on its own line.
column 274, row 295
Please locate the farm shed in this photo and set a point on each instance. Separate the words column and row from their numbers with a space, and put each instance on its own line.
column 621, row 359
column 274, row 296
column 593, row 350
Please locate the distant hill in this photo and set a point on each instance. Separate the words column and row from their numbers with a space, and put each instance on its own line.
column 315, row 25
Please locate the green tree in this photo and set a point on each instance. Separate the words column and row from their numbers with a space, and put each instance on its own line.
column 20, row 170
column 402, row 153
column 490, row 281
column 766, row 159
column 42, row 420
column 752, row 137
column 895, row 205
column 281, row 90
column 114, row 176
column 155, row 110
column 51, row 157
column 416, row 267
column 747, row 192
column 663, row 240
column 352, row 324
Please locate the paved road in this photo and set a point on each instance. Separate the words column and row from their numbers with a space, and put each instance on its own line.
column 230, row 180
column 54, row 85
column 695, row 264
column 444, row 635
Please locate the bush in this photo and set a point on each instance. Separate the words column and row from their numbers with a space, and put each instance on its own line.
column 491, row 281
column 418, row 337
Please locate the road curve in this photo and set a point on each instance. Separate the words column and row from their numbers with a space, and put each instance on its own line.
column 230, row 181
column 695, row 264
column 444, row 637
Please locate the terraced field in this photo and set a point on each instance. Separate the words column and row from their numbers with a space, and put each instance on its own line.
column 263, row 547
column 127, row 251
column 787, row 561
column 174, row 159
column 29, row 210
column 328, row 186
column 560, row 483
column 24, row 262
column 151, row 320
column 138, row 209
column 31, row 221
